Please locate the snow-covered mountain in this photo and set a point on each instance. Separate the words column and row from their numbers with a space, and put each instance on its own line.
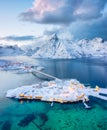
column 10, row 50
column 90, row 48
column 57, row 48
column 53, row 47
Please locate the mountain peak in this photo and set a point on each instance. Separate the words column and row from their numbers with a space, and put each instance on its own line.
column 98, row 40
column 54, row 37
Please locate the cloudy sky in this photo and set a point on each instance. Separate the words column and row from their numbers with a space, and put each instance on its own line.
column 23, row 19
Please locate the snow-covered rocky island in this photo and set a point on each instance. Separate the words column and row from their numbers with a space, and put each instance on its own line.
column 61, row 91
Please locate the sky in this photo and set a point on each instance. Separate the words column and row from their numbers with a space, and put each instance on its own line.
column 25, row 19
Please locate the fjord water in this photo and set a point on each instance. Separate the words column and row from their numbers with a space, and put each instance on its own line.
column 36, row 115
column 88, row 71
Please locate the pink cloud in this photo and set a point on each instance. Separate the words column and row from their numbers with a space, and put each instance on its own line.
column 63, row 11
column 41, row 7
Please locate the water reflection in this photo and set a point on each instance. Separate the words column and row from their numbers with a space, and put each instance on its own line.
column 86, row 71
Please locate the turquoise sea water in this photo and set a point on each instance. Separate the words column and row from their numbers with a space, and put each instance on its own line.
column 36, row 115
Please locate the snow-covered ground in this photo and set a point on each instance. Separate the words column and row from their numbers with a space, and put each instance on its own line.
column 56, row 48
column 58, row 91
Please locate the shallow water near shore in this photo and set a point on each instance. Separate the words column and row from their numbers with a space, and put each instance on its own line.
column 36, row 115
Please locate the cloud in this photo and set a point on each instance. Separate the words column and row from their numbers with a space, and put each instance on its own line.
column 17, row 38
column 90, row 30
column 90, row 9
column 63, row 11
column 52, row 31
column 98, row 28
column 82, row 18
column 62, row 32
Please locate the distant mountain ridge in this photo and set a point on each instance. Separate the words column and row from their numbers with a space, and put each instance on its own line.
column 10, row 50
column 55, row 48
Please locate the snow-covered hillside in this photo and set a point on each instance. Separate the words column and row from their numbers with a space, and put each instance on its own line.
column 91, row 48
column 10, row 50
column 54, row 47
